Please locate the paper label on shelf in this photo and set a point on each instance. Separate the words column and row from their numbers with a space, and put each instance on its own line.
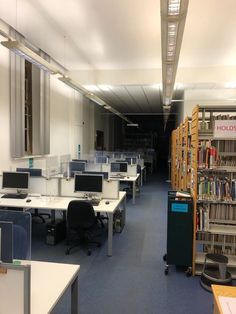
column 225, row 128
column 228, row 304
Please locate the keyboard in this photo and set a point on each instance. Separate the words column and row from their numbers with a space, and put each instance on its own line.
column 117, row 177
column 16, row 196
column 94, row 202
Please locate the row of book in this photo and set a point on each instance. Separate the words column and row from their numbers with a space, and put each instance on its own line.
column 225, row 250
column 207, row 155
column 226, row 161
column 215, row 188
column 207, row 213
column 216, row 239
column 226, row 146
column 208, row 125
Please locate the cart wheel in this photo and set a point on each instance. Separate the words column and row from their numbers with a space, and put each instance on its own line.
column 166, row 270
column 164, row 257
column 189, row 272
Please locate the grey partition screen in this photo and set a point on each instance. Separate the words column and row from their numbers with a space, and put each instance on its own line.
column 21, row 232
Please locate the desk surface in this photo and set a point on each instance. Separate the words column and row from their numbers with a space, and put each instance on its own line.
column 49, row 281
column 59, row 203
column 224, row 291
column 127, row 178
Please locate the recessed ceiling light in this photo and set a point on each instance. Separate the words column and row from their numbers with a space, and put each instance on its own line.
column 230, row 85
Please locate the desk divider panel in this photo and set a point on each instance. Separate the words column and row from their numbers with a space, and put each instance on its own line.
column 15, row 288
column 21, row 232
column 111, row 189
column 132, row 170
column 106, row 167
column 94, row 167
column 43, row 186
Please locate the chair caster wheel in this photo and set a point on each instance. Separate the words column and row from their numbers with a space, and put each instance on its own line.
column 189, row 272
column 165, row 257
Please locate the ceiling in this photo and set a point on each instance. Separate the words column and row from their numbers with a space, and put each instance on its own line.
column 118, row 43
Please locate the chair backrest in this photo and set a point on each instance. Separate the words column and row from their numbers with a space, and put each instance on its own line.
column 80, row 214
column 139, row 169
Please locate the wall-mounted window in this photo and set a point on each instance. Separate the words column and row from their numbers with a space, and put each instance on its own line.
column 29, row 108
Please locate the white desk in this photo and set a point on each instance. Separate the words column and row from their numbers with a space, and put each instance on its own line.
column 61, row 203
column 132, row 179
column 49, row 281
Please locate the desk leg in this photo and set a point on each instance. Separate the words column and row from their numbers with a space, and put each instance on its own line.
column 110, row 234
column 74, row 297
column 53, row 216
column 141, row 175
column 134, row 191
column 145, row 175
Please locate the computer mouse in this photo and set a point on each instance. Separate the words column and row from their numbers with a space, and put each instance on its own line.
column 127, row 177
column 28, row 200
column 107, row 203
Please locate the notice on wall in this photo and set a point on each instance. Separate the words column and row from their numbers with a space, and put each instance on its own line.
column 225, row 128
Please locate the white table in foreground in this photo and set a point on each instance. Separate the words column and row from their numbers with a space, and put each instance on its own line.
column 49, row 281
column 61, row 203
column 132, row 179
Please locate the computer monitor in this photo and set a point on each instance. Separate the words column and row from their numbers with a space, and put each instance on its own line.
column 105, row 174
column 80, row 160
column 34, row 172
column 15, row 180
column 76, row 166
column 88, row 183
column 131, row 160
column 6, row 241
column 119, row 167
column 101, row 159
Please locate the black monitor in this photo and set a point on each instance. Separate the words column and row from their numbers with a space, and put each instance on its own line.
column 76, row 166
column 105, row 174
column 6, row 241
column 101, row 159
column 15, row 180
column 34, row 172
column 119, row 167
column 131, row 160
column 88, row 183
column 80, row 160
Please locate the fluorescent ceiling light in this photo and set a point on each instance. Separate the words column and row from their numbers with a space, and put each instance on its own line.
column 174, row 7
column 107, row 107
column 23, row 51
column 230, row 84
column 105, row 88
column 91, row 88
column 132, row 124
column 96, row 99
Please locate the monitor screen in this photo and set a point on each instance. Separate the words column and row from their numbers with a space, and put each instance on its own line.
column 6, row 241
column 101, row 159
column 131, row 160
column 34, row 172
column 119, row 166
column 15, row 180
column 105, row 174
column 75, row 166
column 88, row 183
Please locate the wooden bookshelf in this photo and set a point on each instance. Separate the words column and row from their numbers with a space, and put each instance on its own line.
column 213, row 186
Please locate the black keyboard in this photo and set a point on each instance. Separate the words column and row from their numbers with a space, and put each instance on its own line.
column 117, row 177
column 17, row 196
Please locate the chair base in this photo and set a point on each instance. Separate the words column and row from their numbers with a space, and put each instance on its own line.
column 84, row 244
column 37, row 215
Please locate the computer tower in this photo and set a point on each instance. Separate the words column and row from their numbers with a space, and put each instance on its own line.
column 55, row 232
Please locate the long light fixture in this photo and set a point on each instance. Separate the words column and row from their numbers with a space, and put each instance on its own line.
column 173, row 16
column 69, row 82
column 28, row 54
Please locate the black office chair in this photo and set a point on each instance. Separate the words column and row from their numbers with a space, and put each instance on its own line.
column 81, row 225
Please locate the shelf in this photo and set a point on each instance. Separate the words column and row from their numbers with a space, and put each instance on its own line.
column 215, row 243
column 222, row 229
column 229, row 221
column 200, row 201
column 218, row 169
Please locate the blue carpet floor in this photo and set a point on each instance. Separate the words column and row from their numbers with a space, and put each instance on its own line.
column 132, row 281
